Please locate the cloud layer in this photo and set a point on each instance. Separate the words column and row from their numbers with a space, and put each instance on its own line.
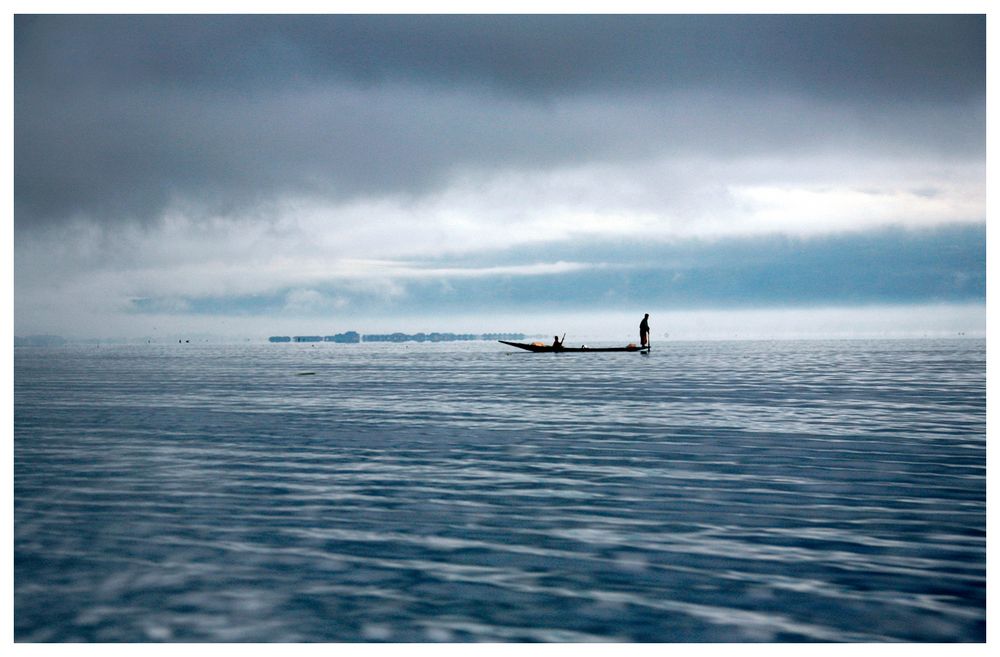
column 126, row 116
column 192, row 164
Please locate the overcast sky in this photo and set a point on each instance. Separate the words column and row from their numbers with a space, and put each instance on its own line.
column 258, row 174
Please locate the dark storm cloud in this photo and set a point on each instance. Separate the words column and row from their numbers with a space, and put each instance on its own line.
column 121, row 116
column 883, row 56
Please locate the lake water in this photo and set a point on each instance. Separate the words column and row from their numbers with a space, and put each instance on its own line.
column 717, row 491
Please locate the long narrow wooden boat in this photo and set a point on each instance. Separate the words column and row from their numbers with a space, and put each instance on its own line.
column 538, row 347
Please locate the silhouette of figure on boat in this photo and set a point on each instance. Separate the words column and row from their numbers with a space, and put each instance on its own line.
column 644, row 331
column 556, row 344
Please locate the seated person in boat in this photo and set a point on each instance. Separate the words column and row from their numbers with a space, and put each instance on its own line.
column 555, row 342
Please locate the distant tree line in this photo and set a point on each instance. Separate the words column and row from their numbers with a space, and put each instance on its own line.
column 354, row 337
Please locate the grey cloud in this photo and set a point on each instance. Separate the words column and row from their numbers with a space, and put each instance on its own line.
column 121, row 116
column 883, row 56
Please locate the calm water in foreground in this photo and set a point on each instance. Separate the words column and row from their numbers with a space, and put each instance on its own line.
column 742, row 491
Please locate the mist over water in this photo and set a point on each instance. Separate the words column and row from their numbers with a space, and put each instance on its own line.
column 711, row 491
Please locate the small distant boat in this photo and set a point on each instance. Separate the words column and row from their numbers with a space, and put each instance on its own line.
column 540, row 347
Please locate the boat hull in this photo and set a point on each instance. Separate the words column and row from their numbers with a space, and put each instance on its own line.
column 540, row 349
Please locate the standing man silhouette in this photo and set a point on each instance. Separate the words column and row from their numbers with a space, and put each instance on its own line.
column 644, row 331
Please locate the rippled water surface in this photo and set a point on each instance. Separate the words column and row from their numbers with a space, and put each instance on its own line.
column 745, row 491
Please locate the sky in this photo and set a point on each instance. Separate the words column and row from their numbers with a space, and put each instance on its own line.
column 764, row 175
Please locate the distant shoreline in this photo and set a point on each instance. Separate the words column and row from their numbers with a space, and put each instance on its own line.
column 32, row 341
column 350, row 337
column 353, row 337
